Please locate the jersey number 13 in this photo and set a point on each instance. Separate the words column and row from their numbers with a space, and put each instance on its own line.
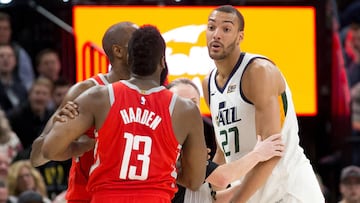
column 128, row 171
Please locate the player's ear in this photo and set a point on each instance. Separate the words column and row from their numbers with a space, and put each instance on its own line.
column 119, row 51
column 240, row 37
column 163, row 62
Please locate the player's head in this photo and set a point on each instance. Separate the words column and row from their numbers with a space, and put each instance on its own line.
column 232, row 10
column 146, row 51
column 115, row 40
column 185, row 88
column 224, row 32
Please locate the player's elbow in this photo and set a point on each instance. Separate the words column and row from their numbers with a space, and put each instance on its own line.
column 49, row 152
column 190, row 183
column 194, row 185
column 220, row 180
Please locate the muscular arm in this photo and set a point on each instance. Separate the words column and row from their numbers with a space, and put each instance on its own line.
column 224, row 174
column 36, row 155
column 187, row 121
column 219, row 157
column 59, row 141
column 264, row 96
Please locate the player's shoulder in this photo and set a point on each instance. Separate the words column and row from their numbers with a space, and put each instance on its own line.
column 260, row 63
column 185, row 105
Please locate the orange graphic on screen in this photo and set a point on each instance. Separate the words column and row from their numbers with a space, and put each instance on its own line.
column 284, row 34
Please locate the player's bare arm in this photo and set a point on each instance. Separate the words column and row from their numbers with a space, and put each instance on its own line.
column 36, row 156
column 262, row 84
column 219, row 157
column 224, row 174
column 188, row 128
column 59, row 141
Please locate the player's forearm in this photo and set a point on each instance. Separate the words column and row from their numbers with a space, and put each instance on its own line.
column 219, row 157
column 36, row 156
column 224, row 174
column 224, row 196
column 76, row 148
column 254, row 180
column 187, row 182
column 58, row 155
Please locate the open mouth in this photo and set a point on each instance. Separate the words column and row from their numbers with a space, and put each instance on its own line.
column 215, row 45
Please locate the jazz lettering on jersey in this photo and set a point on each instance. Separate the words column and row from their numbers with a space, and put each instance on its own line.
column 226, row 115
column 142, row 116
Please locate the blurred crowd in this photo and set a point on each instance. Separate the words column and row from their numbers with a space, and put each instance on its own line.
column 28, row 97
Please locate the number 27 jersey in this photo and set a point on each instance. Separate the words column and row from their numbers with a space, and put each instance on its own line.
column 136, row 149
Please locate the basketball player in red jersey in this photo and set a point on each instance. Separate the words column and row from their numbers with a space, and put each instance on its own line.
column 115, row 46
column 141, row 128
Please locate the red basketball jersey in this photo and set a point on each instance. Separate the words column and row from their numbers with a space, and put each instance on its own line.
column 80, row 167
column 136, row 149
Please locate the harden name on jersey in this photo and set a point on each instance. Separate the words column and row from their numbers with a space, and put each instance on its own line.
column 142, row 116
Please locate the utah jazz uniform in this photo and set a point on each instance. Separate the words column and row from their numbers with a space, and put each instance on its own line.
column 136, row 149
column 80, row 167
column 234, row 123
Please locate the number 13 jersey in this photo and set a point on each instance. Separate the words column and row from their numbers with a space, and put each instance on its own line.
column 136, row 149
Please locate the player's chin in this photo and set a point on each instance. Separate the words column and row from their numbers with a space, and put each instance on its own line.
column 215, row 56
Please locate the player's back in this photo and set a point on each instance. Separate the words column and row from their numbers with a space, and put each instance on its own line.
column 136, row 148
column 80, row 166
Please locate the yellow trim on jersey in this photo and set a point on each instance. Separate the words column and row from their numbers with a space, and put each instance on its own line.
column 283, row 107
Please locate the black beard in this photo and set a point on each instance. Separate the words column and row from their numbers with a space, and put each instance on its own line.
column 164, row 74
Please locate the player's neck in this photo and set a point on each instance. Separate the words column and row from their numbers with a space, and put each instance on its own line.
column 117, row 73
column 226, row 65
column 145, row 82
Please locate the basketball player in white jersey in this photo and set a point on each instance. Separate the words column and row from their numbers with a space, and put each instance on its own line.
column 248, row 96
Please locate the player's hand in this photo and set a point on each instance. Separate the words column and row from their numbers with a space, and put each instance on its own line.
column 70, row 110
column 270, row 147
column 208, row 151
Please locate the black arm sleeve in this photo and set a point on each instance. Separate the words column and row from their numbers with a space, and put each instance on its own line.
column 211, row 166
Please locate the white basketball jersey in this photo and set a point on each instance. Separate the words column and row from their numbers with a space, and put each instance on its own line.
column 233, row 118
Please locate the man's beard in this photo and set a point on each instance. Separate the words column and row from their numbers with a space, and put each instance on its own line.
column 226, row 51
column 164, row 74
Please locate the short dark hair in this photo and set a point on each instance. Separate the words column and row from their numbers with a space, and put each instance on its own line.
column 61, row 82
column 43, row 52
column 146, row 49
column 231, row 9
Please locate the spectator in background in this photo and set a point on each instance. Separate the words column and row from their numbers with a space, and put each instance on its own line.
column 48, row 64
column 355, row 121
column 4, row 166
column 12, row 91
column 10, row 144
column 350, row 184
column 28, row 120
column 352, row 49
column 4, row 194
column 61, row 87
column 24, row 69
column 23, row 177
column 30, row 196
